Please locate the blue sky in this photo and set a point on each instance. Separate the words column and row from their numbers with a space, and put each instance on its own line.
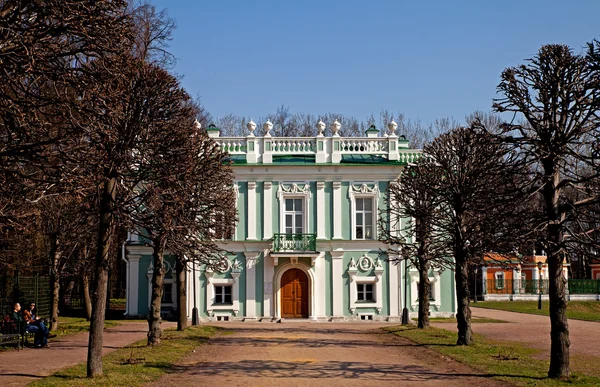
column 426, row 59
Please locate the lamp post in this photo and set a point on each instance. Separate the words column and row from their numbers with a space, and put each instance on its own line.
column 405, row 310
column 539, row 265
column 195, row 309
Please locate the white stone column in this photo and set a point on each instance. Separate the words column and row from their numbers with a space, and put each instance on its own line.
column 267, row 213
column 321, row 215
column 394, row 289
column 133, row 267
column 337, row 210
column 269, row 271
column 251, row 210
column 338, row 285
column 320, row 286
column 251, row 257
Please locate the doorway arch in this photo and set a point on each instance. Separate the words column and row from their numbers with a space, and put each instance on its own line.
column 281, row 272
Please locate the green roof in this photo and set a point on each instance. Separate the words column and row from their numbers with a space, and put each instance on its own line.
column 310, row 159
column 365, row 159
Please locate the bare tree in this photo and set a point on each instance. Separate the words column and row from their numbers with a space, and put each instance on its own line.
column 557, row 93
column 414, row 206
column 479, row 189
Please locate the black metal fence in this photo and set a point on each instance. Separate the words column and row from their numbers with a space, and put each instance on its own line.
column 521, row 286
column 24, row 289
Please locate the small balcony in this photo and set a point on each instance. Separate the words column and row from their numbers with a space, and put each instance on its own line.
column 294, row 243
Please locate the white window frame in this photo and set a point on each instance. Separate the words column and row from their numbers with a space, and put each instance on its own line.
column 294, row 212
column 497, row 279
column 168, row 269
column 291, row 190
column 436, row 303
column 364, row 212
column 213, row 308
column 358, row 292
column 362, row 191
column 223, row 294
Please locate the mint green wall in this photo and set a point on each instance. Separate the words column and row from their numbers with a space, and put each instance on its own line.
column 242, row 205
column 312, row 225
column 381, row 204
column 242, row 284
column 346, row 224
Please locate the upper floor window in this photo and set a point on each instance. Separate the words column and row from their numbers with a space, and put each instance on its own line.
column 294, row 215
column 364, row 219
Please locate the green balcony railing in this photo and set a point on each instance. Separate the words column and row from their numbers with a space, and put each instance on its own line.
column 294, row 242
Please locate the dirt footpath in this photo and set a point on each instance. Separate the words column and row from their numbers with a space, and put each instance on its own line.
column 317, row 354
column 22, row 367
column 534, row 331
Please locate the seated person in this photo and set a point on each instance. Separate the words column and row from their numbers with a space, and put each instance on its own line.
column 32, row 326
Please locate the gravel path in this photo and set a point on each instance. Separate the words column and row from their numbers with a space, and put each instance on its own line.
column 534, row 331
column 22, row 367
column 317, row 354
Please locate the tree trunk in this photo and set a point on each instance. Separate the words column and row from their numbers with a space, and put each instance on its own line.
column 182, row 318
column 54, row 282
column 559, row 326
column 86, row 296
column 423, row 293
column 100, row 283
column 154, row 331
column 463, row 311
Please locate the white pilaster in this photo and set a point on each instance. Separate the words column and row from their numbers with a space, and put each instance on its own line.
column 338, row 284
column 251, row 257
column 337, row 210
column 251, row 210
column 133, row 266
column 394, row 289
column 320, row 286
column 321, row 210
column 267, row 214
column 269, row 271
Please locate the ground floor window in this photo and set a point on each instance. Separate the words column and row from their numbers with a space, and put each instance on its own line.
column 431, row 294
column 499, row 276
column 365, row 292
column 167, row 293
column 223, row 294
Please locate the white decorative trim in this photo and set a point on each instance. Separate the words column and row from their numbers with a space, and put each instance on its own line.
column 362, row 190
column 133, row 272
column 321, row 215
column 435, row 285
column 338, row 284
column 211, row 307
column 293, row 190
column 311, row 285
column 251, row 257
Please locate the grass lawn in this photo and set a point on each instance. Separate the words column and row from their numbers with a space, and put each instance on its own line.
column 72, row 325
column 578, row 310
column 136, row 364
column 510, row 362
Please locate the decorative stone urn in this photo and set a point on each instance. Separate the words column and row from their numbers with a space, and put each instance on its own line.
column 267, row 126
column 320, row 128
column 251, row 127
column 392, row 126
column 335, row 128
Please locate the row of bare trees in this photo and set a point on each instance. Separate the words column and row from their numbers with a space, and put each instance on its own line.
column 97, row 136
column 508, row 186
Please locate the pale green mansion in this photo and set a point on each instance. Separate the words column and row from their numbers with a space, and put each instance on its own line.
column 306, row 244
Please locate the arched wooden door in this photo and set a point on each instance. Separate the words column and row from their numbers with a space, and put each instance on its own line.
column 294, row 294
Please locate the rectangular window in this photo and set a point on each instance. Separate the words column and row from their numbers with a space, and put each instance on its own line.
column 364, row 218
column 167, row 293
column 499, row 280
column 365, row 292
column 223, row 294
column 431, row 297
column 294, row 216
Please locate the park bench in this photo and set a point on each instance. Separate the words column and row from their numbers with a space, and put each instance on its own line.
column 11, row 334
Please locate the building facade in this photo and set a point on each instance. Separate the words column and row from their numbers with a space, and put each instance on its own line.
column 306, row 243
